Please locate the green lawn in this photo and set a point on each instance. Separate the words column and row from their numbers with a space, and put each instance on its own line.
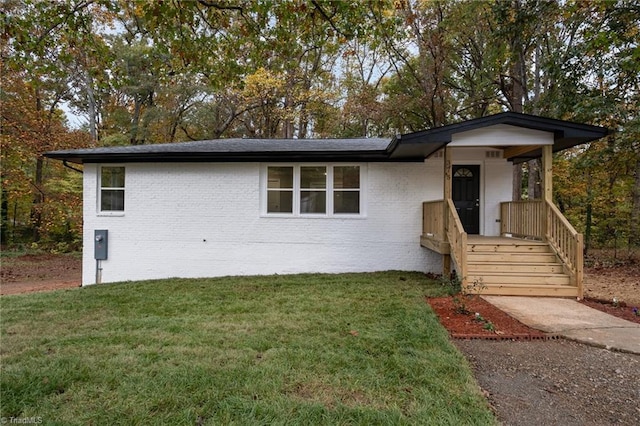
column 300, row 349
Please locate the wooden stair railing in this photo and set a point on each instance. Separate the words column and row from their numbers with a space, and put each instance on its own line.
column 458, row 241
column 542, row 220
column 567, row 243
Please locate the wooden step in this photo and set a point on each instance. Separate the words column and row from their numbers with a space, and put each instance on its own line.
column 515, row 267
column 530, row 290
column 521, row 279
column 511, row 257
column 509, row 248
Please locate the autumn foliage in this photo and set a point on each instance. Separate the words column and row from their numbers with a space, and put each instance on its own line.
column 41, row 199
column 165, row 71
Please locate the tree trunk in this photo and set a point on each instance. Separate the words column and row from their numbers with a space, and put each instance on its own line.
column 38, row 199
column 516, row 95
column 635, row 211
column 135, row 122
column 589, row 218
column 5, row 216
column 534, row 180
column 93, row 108
column 517, row 182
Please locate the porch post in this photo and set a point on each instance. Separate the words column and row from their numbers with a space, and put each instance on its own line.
column 547, row 187
column 446, row 191
column 547, row 172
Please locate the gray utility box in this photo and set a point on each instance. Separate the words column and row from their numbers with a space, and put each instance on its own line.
column 101, row 244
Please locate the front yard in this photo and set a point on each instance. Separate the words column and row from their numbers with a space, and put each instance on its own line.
column 312, row 349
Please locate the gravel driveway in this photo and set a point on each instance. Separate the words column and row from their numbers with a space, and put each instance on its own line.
column 556, row 382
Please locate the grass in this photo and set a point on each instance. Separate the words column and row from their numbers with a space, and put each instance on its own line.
column 300, row 349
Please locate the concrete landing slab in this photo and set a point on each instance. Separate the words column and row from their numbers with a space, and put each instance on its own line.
column 573, row 320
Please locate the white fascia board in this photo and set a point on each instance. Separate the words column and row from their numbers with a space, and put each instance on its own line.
column 501, row 135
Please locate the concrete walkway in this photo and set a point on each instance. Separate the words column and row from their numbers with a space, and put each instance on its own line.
column 573, row 320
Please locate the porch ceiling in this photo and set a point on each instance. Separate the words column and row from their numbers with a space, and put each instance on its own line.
column 566, row 134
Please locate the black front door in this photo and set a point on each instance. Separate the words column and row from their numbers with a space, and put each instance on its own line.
column 466, row 196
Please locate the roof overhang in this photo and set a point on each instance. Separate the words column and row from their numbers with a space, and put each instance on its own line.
column 566, row 134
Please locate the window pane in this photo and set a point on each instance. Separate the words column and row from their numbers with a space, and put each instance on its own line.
column 112, row 177
column 346, row 177
column 280, row 202
column 112, row 200
column 463, row 173
column 346, row 202
column 313, row 177
column 280, row 177
column 313, row 202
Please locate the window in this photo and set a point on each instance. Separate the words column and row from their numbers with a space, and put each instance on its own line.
column 463, row 172
column 319, row 190
column 313, row 190
column 280, row 190
column 111, row 189
column 346, row 189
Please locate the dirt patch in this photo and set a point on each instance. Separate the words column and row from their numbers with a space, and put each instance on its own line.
column 40, row 272
column 622, row 282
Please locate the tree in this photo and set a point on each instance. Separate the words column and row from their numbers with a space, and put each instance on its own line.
column 33, row 203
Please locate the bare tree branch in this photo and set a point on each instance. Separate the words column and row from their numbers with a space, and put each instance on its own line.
column 329, row 19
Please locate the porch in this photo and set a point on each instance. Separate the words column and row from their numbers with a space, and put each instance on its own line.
column 538, row 252
column 508, row 247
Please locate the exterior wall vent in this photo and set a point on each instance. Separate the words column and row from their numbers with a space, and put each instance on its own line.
column 494, row 154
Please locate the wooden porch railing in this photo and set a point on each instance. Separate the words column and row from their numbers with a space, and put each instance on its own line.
column 523, row 219
column 542, row 220
column 458, row 240
column 432, row 219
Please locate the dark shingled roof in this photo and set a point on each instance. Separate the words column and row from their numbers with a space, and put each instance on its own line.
column 410, row 147
column 369, row 149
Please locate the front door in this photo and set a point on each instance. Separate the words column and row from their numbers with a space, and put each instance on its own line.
column 465, row 192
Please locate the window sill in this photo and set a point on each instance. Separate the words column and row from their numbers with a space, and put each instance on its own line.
column 311, row 216
column 110, row 214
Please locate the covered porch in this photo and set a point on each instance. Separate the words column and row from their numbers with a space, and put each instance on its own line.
column 522, row 247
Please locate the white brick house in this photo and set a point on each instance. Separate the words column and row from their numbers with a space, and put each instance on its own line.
column 247, row 207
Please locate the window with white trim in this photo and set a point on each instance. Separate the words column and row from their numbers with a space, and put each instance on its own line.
column 280, row 190
column 346, row 189
column 111, row 189
column 313, row 190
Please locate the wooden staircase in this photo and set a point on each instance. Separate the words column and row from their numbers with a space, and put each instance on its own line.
column 516, row 267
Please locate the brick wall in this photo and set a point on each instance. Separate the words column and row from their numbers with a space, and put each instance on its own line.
column 204, row 219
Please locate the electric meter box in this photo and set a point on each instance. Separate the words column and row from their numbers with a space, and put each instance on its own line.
column 101, row 244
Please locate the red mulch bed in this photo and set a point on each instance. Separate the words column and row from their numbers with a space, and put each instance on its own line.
column 462, row 325
column 621, row 310
column 466, row 326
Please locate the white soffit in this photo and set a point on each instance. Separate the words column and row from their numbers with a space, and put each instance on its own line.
column 501, row 135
